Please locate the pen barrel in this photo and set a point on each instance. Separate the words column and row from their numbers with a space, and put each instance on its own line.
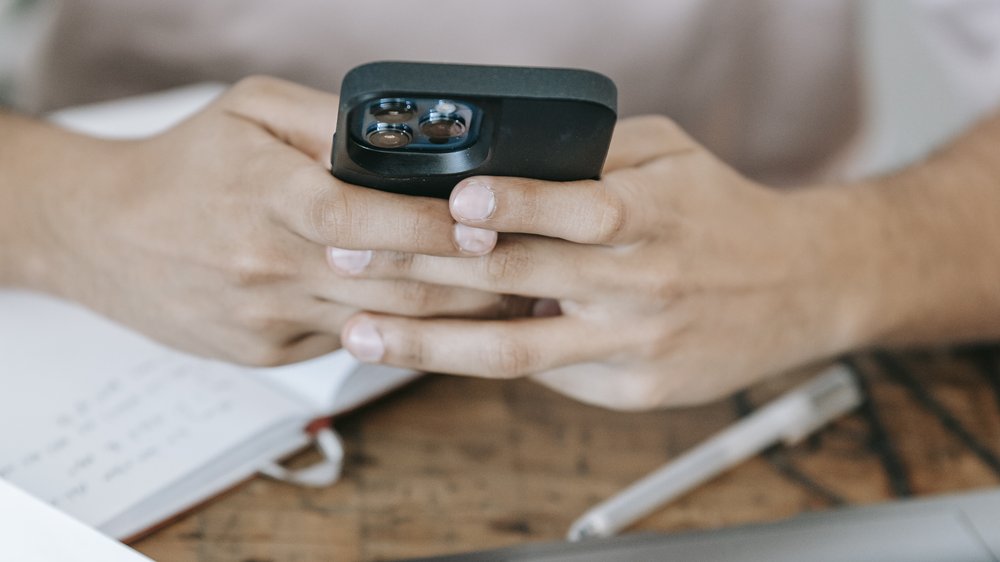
column 696, row 467
column 789, row 419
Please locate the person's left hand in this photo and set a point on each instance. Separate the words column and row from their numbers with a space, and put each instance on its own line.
column 672, row 280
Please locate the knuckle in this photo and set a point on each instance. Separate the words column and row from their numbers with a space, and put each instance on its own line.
column 329, row 218
column 250, row 87
column 412, row 351
column 661, row 290
column 666, row 133
column 509, row 262
column 613, row 219
column 509, row 359
column 399, row 262
column 253, row 268
column 261, row 318
column 421, row 227
column 417, row 298
column 663, row 123
column 522, row 202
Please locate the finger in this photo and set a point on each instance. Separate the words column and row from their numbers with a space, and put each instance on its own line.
column 638, row 140
column 523, row 265
column 329, row 212
column 492, row 349
column 335, row 297
column 300, row 116
column 417, row 299
column 586, row 212
column 612, row 211
column 625, row 207
column 332, row 213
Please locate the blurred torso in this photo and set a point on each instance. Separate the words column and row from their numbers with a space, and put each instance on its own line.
column 771, row 85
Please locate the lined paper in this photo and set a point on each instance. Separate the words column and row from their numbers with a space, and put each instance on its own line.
column 93, row 417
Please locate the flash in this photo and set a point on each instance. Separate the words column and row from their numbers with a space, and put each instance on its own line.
column 445, row 107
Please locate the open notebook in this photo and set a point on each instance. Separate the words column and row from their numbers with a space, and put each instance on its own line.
column 121, row 432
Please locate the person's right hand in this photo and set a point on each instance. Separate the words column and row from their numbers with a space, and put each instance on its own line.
column 216, row 237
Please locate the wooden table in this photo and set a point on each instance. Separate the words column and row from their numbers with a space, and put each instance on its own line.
column 451, row 464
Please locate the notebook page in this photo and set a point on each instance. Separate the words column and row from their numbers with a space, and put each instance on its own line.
column 315, row 382
column 138, row 116
column 93, row 417
column 335, row 383
column 31, row 531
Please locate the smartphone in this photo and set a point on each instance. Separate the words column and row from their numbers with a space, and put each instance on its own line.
column 420, row 128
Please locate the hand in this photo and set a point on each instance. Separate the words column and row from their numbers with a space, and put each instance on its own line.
column 677, row 280
column 215, row 236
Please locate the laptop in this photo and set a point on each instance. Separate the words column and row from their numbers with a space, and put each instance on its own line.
column 956, row 528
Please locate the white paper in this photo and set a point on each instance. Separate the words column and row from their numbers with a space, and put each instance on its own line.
column 315, row 382
column 335, row 383
column 94, row 417
column 138, row 116
column 31, row 531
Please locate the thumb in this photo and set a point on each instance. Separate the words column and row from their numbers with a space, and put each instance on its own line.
column 299, row 116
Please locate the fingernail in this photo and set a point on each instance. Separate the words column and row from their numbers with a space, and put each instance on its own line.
column 348, row 261
column 474, row 240
column 474, row 202
column 364, row 342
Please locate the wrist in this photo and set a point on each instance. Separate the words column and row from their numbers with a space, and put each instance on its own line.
column 50, row 181
column 843, row 244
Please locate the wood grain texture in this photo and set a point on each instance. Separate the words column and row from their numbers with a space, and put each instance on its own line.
column 451, row 464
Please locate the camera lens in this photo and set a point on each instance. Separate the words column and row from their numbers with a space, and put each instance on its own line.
column 393, row 110
column 440, row 127
column 389, row 135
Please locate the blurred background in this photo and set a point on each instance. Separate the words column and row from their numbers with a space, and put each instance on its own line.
column 913, row 103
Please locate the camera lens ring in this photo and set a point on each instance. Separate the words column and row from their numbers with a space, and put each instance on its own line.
column 442, row 127
column 393, row 110
column 388, row 135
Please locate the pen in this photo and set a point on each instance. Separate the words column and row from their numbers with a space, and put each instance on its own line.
column 789, row 418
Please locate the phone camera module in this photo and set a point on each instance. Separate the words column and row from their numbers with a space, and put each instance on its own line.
column 415, row 124
column 442, row 123
column 389, row 135
column 393, row 110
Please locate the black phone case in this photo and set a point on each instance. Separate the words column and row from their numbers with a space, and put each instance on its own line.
column 544, row 123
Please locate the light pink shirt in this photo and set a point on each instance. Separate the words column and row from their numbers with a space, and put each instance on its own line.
column 772, row 86
column 728, row 70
